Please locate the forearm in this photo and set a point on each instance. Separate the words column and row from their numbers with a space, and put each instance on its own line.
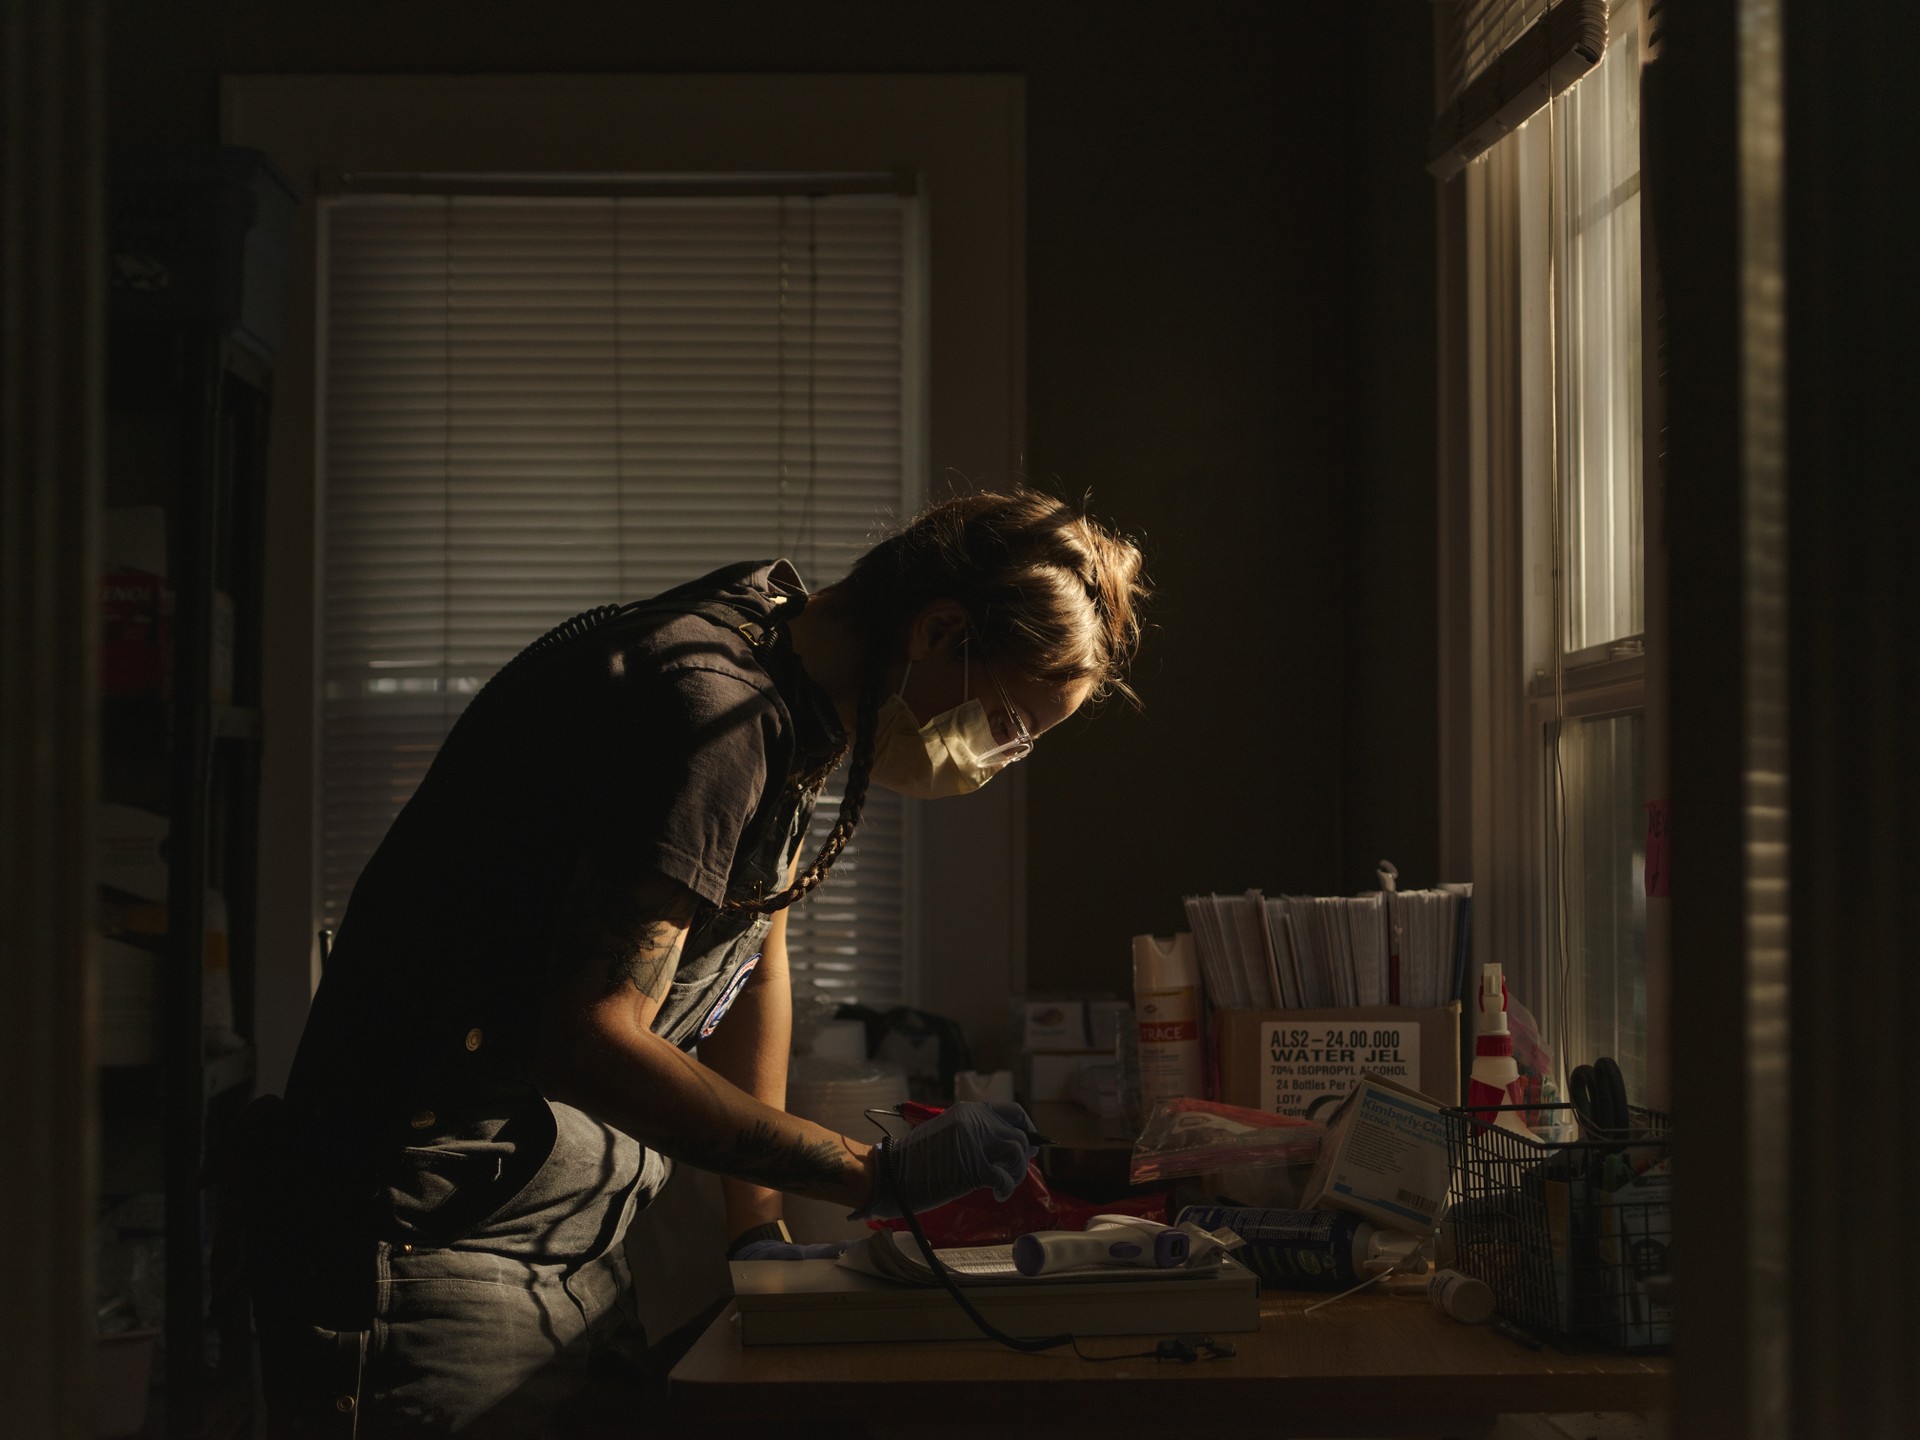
column 617, row 951
column 632, row 1079
column 750, row 1050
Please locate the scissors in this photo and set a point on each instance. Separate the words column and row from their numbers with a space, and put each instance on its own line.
column 1600, row 1099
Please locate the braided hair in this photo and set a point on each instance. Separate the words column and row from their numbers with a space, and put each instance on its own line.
column 1049, row 591
column 852, row 801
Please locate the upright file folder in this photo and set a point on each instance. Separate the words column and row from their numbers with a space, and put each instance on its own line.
column 1315, row 952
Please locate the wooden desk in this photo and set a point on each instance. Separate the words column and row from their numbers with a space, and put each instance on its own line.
column 1371, row 1365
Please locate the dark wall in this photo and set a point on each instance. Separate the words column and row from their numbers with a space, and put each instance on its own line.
column 1230, row 344
column 1390, row 796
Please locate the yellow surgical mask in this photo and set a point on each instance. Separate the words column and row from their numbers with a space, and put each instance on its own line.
column 955, row 753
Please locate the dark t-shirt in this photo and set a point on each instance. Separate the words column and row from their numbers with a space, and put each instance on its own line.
column 668, row 740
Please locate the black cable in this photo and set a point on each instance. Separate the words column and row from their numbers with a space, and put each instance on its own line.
column 1180, row 1350
column 1030, row 1346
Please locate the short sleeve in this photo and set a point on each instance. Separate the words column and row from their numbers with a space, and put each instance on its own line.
column 682, row 773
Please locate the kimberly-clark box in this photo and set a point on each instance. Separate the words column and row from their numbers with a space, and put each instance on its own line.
column 1305, row 1062
column 1384, row 1158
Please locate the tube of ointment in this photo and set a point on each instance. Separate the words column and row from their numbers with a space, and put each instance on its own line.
column 1464, row 1298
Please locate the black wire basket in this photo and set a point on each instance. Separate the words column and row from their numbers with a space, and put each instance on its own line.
column 1571, row 1238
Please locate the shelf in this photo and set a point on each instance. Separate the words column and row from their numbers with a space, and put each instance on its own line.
column 188, row 411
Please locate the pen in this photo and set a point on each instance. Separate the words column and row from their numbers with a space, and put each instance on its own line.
column 1516, row 1334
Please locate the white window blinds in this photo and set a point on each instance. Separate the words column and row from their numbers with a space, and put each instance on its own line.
column 1478, row 31
column 1503, row 60
column 538, row 404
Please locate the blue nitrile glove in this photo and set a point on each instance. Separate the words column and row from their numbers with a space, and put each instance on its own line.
column 962, row 1149
column 788, row 1250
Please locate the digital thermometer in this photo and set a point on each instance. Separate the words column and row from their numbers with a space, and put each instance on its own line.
column 1111, row 1241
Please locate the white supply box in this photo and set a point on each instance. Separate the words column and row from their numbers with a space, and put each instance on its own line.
column 1635, row 1233
column 1059, row 1026
column 1384, row 1158
column 1051, row 1077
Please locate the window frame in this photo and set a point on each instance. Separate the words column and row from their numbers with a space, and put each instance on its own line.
column 963, row 136
column 1495, row 626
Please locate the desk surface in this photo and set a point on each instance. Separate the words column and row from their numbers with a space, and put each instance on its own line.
column 1373, row 1363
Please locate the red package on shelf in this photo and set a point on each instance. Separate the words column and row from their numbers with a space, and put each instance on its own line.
column 979, row 1219
column 136, row 643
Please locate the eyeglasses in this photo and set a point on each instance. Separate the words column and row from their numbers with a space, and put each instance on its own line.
column 1021, row 745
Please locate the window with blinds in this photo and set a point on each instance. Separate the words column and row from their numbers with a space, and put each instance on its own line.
column 1480, row 31
column 1554, row 228
column 1502, row 60
column 1586, row 194
column 535, row 404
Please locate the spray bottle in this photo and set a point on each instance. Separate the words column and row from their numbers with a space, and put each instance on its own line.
column 1495, row 1075
column 1166, row 1008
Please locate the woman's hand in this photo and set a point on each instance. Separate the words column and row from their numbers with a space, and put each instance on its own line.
column 967, row 1147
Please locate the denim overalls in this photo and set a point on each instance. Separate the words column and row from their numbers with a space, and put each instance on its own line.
column 483, row 1317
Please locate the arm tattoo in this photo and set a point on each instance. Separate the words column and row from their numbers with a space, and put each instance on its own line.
column 761, row 1155
column 629, row 933
column 648, row 966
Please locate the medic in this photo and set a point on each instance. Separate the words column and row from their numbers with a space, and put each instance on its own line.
column 592, row 879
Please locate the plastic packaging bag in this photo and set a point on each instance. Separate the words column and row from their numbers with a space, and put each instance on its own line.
column 1191, row 1137
column 979, row 1219
column 1536, row 1085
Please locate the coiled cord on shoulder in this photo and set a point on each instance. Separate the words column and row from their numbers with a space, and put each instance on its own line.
column 852, row 801
column 572, row 628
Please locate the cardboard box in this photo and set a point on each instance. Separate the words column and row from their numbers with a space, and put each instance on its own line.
column 201, row 235
column 1305, row 1062
column 1384, row 1158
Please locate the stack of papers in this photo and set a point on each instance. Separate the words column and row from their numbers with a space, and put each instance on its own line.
column 1305, row 952
column 1429, row 935
column 1336, row 947
column 1237, row 959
